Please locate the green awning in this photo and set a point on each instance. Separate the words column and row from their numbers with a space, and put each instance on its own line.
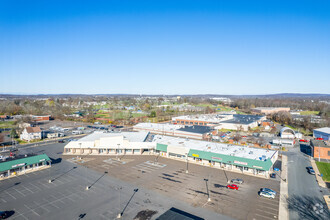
column 14, row 164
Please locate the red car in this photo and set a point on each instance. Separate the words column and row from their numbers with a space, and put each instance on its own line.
column 232, row 186
column 319, row 139
column 303, row 140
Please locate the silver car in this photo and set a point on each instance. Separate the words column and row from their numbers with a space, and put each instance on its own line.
column 266, row 194
column 268, row 191
column 237, row 181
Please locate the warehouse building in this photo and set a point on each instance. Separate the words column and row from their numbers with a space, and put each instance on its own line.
column 322, row 133
column 236, row 158
column 19, row 166
column 202, row 120
column 102, row 143
column 241, row 122
column 194, row 131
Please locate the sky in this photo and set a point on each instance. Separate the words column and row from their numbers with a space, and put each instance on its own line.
column 231, row 47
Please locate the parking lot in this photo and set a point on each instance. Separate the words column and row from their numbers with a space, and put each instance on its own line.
column 169, row 177
column 31, row 196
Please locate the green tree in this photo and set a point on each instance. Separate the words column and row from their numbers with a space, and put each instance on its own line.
column 153, row 114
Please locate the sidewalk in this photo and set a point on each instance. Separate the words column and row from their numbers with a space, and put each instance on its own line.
column 317, row 174
column 283, row 208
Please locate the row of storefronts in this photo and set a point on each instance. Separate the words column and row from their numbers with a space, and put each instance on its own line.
column 237, row 164
column 254, row 161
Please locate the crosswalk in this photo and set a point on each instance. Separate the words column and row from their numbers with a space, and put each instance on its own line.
column 148, row 166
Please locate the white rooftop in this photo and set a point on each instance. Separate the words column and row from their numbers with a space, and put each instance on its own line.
column 226, row 149
column 160, row 127
column 212, row 118
column 325, row 130
column 131, row 136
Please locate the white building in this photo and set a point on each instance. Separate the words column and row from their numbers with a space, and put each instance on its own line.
column 101, row 143
column 31, row 133
column 322, row 133
column 194, row 131
column 287, row 133
column 241, row 122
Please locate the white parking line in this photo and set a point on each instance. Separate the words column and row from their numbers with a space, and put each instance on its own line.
column 146, row 167
column 31, row 210
column 3, row 200
column 41, row 206
column 37, row 187
column 28, row 189
column 19, row 215
column 19, row 192
column 267, row 207
column 269, row 203
column 44, row 184
column 265, row 217
column 11, row 195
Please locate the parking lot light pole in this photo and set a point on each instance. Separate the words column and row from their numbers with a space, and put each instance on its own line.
column 207, row 189
column 50, row 180
column 118, row 158
column 120, row 213
column 187, row 163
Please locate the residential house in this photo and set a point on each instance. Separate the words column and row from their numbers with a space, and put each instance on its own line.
column 31, row 133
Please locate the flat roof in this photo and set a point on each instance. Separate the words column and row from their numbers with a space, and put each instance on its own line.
column 131, row 136
column 212, row 118
column 196, row 129
column 220, row 148
column 160, row 127
column 324, row 130
column 243, row 119
column 319, row 143
column 171, row 128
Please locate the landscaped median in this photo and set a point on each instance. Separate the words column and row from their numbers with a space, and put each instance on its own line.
column 324, row 169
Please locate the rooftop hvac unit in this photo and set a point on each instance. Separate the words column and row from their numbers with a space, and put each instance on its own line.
column 251, row 152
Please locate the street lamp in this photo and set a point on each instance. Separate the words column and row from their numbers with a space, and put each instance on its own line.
column 207, row 189
column 119, row 214
column 187, row 163
column 118, row 158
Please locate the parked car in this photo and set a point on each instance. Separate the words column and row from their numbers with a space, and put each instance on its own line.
column 319, row 139
column 232, row 186
column 303, row 140
column 3, row 214
column 268, row 191
column 61, row 141
column 266, row 195
column 273, row 175
column 237, row 181
column 310, row 170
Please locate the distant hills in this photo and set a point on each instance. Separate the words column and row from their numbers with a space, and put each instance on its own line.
column 279, row 95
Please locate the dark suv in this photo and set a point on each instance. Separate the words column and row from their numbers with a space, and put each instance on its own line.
column 310, row 170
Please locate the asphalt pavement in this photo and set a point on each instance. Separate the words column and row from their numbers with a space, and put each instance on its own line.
column 31, row 196
column 305, row 196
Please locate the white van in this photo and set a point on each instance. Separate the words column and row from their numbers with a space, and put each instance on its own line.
column 76, row 132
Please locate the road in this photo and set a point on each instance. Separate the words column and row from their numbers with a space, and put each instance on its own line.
column 304, row 191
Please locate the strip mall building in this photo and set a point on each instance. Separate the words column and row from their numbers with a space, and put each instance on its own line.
column 243, row 159
column 23, row 165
